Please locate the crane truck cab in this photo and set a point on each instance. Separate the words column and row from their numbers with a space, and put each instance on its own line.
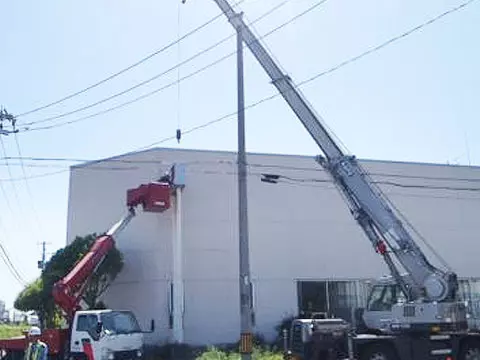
column 106, row 335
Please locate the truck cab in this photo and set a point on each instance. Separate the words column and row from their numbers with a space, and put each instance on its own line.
column 106, row 335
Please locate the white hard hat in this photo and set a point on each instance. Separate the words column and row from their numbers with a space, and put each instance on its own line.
column 34, row 331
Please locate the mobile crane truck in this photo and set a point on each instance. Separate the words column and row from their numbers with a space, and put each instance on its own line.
column 96, row 334
column 414, row 314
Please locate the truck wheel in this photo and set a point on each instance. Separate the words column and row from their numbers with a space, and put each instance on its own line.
column 471, row 351
column 378, row 352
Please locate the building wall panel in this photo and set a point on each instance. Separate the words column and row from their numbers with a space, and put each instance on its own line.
column 300, row 229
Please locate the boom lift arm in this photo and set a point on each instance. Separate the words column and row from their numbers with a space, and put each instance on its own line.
column 68, row 291
column 424, row 281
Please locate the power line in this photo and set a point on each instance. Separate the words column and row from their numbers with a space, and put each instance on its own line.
column 390, row 41
column 36, row 176
column 15, row 193
column 265, row 165
column 332, row 69
column 27, row 185
column 286, row 177
column 123, row 92
column 397, row 210
column 14, row 189
column 379, row 174
column 419, row 235
column 8, row 263
column 225, row 117
column 335, row 68
column 252, row 165
column 391, row 183
column 159, row 75
column 176, row 82
column 161, row 50
column 4, row 193
column 6, row 259
column 398, row 194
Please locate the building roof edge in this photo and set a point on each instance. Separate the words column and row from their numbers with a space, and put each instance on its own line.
column 115, row 157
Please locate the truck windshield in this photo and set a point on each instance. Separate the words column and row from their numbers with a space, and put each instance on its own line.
column 120, row 322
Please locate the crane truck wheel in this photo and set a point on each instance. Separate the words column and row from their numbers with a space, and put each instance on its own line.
column 470, row 351
column 378, row 352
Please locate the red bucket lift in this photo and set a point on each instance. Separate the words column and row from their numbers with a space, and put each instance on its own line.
column 154, row 197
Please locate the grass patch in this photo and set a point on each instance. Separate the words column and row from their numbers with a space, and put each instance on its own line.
column 218, row 354
column 8, row 331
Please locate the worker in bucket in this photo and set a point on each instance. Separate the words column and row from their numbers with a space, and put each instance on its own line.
column 36, row 349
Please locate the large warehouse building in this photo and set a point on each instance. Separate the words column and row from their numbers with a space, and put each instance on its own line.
column 306, row 251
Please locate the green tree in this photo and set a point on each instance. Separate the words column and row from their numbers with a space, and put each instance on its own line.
column 31, row 299
column 38, row 295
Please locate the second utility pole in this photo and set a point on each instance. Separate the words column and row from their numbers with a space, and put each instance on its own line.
column 245, row 288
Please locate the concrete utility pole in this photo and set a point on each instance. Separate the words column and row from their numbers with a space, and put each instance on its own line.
column 41, row 263
column 244, row 261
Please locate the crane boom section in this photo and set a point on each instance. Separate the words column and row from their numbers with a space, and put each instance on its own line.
column 371, row 211
column 283, row 83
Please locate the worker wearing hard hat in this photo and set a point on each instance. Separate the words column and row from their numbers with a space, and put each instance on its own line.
column 36, row 349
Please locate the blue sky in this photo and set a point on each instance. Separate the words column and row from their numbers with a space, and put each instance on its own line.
column 411, row 101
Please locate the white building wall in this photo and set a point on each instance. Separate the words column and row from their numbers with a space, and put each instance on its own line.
column 298, row 230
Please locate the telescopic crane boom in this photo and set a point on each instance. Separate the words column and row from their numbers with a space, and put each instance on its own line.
column 424, row 282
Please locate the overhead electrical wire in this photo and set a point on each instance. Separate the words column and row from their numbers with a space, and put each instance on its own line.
column 8, row 262
column 27, row 185
column 157, row 76
column 391, row 40
column 335, row 68
column 419, row 235
column 4, row 193
column 5, row 257
column 264, row 165
column 94, row 167
column 455, row 196
column 394, row 207
column 15, row 193
column 383, row 182
column 159, row 51
column 253, row 165
column 323, row 73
